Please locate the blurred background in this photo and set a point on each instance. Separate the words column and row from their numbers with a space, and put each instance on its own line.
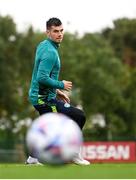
column 98, row 55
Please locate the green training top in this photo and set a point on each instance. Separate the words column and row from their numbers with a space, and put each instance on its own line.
column 46, row 72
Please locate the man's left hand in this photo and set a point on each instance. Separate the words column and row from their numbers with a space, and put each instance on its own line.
column 62, row 96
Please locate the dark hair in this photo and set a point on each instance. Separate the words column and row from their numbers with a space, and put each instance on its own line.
column 53, row 22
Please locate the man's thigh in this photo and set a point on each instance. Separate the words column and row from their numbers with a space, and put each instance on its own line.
column 74, row 113
column 42, row 109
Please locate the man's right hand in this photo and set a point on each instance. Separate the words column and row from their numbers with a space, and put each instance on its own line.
column 67, row 85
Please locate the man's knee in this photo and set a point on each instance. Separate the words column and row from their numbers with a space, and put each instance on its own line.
column 82, row 119
column 79, row 117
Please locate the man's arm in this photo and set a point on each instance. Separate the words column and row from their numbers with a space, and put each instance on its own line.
column 44, row 70
column 43, row 76
column 64, row 97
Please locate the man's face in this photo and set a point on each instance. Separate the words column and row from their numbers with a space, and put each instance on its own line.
column 55, row 33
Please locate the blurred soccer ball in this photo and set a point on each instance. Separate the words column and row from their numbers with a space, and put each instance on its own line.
column 54, row 138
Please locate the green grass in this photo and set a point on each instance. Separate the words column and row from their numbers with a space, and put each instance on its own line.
column 93, row 171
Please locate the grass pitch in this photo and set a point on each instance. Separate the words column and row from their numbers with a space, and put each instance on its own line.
column 93, row 171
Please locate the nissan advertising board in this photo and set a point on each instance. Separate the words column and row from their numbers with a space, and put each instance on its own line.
column 109, row 151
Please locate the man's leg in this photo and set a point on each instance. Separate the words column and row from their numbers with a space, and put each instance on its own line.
column 32, row 160
column 42, row 109
column 74, row 113
column 79, row 117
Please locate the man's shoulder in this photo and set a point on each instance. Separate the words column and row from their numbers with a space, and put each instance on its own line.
column 44, row 49
column 42, row 44
column 45, row 45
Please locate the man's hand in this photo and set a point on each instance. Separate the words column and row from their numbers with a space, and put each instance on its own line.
column 62, row 96
column 67, row 85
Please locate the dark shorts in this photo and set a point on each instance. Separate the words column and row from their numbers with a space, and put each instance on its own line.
column 74, row 113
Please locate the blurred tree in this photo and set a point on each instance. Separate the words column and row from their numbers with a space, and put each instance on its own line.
column 102, row 78
column 129, row 111
column 8, row 72
column 8, row 59
column 70, row 63
column 123, row 39
column 101, row 82
column 68, row 49
column 16, row 61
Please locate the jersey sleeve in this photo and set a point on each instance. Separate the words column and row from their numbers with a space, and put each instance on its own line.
column 46, row 64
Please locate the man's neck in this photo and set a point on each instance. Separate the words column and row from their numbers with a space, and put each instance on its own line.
column 55, row 44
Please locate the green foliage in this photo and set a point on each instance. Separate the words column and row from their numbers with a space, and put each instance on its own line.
column 102, row 83
column 8, row 61
column 7, row 27
column 123, row 39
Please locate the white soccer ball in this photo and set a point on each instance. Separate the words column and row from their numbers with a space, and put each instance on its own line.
column 54, row 138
